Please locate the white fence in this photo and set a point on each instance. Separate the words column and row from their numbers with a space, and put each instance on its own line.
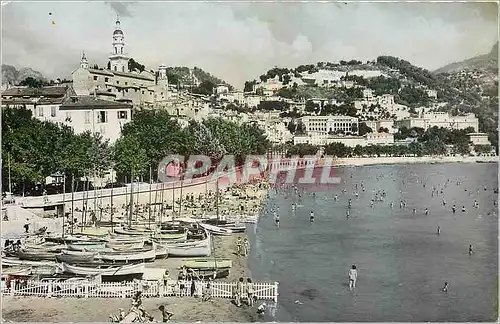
column 176, row 288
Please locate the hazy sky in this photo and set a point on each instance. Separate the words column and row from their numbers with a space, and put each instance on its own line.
column 240, row 41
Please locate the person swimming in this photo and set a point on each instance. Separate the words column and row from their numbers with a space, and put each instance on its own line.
column 445, row 287
column 426, row 211
column 438, row 230
column 454, row 208
column 311, row 217
column 347, row 214
column 463, row 209
column 470, row 249
column 414, row 211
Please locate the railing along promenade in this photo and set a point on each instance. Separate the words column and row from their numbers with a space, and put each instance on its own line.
column 149, row 289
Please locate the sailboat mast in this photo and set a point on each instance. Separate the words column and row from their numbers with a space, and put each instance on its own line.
column 131, row 199
column 217, row 198
column 72, row 201
column 112, row 212
column 64, row 203
column 10, row 180
column 149, row 206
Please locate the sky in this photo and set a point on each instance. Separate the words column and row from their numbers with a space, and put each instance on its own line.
column 240, row 41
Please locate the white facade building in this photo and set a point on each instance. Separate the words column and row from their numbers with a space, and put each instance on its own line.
column 479, row 138
column 330, row 124
column 350, row 141
column 440, row 119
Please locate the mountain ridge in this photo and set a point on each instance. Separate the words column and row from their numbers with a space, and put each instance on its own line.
column 487, row 61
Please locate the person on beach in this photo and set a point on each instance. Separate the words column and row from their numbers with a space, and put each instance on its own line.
column 353, row 277
column 261, row 309
column 239, row 292
column 166, row 315
column 311, row 217
column 246, row 246
column 250, row 292
column 238, row 246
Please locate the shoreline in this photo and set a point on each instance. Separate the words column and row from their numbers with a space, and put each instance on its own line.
column 414, row 160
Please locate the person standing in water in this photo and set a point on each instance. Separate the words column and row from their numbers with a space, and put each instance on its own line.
column 353, row 277
column 347, row 214
column 277, row 219
column 454, row 209
column 470, row 249
column 426, row 211
column 438, row 230
column 445, row 287
column 311, row 217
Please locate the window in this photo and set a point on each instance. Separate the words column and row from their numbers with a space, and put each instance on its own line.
column 106, row 79
column 40, row 111
column 103, row 117
column 87, row 117
column 95, row 77
column 126, row 83
column 116, row 50
column 123, row 69
column 122, row 114
column 53, row 111
column 142, row 91
column 68, row 116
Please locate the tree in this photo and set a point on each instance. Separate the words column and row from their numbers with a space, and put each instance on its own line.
column 32, row 83
column 249, row 86
column 109, row 65
column 130, row 157
column 383, row 130
column 337, row 149
column 301, row 150
column 135, row 66
column 363, row 129
column 205, row 88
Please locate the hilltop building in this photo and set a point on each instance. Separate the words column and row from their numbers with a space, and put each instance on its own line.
column 117, row 83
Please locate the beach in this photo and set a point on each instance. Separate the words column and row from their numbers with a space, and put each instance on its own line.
column 187, row 309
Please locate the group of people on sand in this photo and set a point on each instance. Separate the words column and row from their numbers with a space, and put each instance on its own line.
column 244, row 291
column 141, row 315
column 242, row 246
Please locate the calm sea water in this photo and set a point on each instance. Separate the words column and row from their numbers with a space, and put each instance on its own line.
column 402, row 263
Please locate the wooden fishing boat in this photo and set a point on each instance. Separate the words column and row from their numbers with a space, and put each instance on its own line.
column 79, row 253
column 171, row 236
column 191, row 249
column 36, row 255
column 118, row 238
column 129, row 256
column 161, row 251
column 17, row 262
column 75, row 259
column 72, row 239
column 87, row 246
column 17, row 271
column 104, row 269
column 125, row 245
column 216, row 230
column 133, row 232
column 207, row 263
column 48, row 247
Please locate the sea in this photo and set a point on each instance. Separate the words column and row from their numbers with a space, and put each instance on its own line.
column 402, row 262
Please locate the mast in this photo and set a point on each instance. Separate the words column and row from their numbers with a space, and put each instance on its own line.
column 64, row 203
column 84, row 203
column 131, row 199
column 112, row 212
column 182, row 197
column 72, row 200
column 149, row 206
column 217, row 198
column 10, row 180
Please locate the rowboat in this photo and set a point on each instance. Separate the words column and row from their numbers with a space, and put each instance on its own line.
column 191, row 249
column 133, row 232
column 36, row 255
column 207, row 263
column 71, row 239
column 104, row 269
column 17, row 262
column 118, row 238
column 216, row 230
column 161, row 251
column 87, row 246
column 79, row 253
column 72, row 259
column 205, row 274
column 129, row 256
column 125, row 245
column 48, row 247
column 171, row 236
column 17, row 271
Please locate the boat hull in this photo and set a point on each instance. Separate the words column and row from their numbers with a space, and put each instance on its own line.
column 104, row 270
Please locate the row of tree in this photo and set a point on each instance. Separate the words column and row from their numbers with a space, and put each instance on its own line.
column 33, row 149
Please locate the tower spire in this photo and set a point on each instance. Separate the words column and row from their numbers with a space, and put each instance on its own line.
column 83, row 62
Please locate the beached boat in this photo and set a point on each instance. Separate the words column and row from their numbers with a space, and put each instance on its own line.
column 161, row 251
column 16, row 262
column 79, row 253
column 125, row 245
column 36, row 255
column 87, row 246
column 191, row 249
column 17, row 271
column 130, row 256
column 119, row 238
column 217, row 230
column 72, row 239
column 134, row 232
column 75, row 259
column 207, row 263
column 171, row 236
column 104, row 269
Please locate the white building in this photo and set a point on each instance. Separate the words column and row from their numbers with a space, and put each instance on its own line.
column 350, row 141
column 221, row 88
column 277, row 133
column 367, row 73
column 88, row 113
column 432, row 94
column 440, row 119
column 324, row 78
column 479, row 138
column 330, row 124
column 117, row 83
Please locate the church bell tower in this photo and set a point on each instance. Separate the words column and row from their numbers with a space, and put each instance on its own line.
column 118, row 58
